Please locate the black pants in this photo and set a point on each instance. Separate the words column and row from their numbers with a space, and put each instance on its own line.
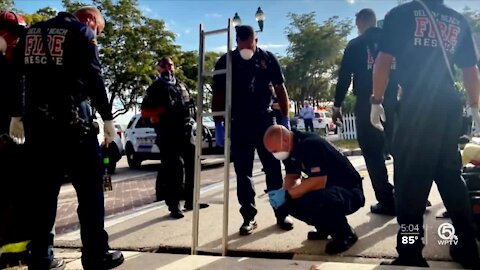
column 247, row 136
column 15, row 194
column 326, row 209
column 372, row 143
column 426, row 150
column 177, row 155
column 308, row 124
column 55, row 157
column 390, row 105
column 467, row 125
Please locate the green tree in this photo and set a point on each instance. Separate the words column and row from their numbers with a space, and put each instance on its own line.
column 72, row 6
column 32, row 18
column 40, row 15
column 47, row 12
column 473, row 17
column 189, row 67
column 313, row 55
column 349, row 103
column 7, row 5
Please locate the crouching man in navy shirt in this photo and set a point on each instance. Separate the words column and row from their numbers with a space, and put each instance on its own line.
column 321, row 187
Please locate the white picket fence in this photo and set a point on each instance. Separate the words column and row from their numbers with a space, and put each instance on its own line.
column 348, row 130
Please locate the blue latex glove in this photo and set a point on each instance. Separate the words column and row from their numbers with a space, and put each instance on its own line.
column 219, row 134
column 286, row 122
column 277, row 198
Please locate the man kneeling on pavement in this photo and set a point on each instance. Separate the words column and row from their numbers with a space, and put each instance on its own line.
column 329, row 190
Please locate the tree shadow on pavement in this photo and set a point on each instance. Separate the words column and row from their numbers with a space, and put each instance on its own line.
column 138, row 227
column 236, row 241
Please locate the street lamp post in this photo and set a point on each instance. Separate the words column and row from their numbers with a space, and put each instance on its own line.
column 259, row 17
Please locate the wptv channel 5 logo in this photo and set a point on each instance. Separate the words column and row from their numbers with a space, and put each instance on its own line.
column 446, row 232
column 411, row 233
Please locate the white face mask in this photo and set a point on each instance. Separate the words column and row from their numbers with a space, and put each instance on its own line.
column 3, row 45
column 246, row 54
column 281, row 155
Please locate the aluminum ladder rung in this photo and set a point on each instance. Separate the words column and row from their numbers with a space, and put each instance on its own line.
column 216, row 32
column 211, row 156
column 219, row 113
column 224, row 200
column 211, row 201
column 214, row 72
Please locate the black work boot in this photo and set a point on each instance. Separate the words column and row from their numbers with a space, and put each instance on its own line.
column 13, row 259
column 109, row 260
column 317, row 234
column 382, row 209
column 175, row 211
column 341, row 243
column 285, row 224
column 189, row 206
column 416, row 261
column 176, row 214
column 248, row 227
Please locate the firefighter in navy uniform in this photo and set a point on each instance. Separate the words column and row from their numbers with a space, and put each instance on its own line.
column 253, row 70
column 358, row 61
column 59, row 142
column 331, row 190
column 14, row 203
column 426, row 149
column 168, row 106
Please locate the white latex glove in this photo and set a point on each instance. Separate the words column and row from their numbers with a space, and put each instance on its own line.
column 16, row 129
column 3, row 45
column 476, row 118
column 377, row 113
column 108, row 131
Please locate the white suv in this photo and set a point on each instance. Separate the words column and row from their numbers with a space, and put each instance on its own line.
column 140, row 140
column 322, row 121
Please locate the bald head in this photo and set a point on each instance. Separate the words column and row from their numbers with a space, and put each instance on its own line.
column 277, row 138
column 92, row 17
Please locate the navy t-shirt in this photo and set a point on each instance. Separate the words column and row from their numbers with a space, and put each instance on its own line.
column 357, row 63
column 409, row 36
column 75, row 69
column 314, row 156
column 251, row 94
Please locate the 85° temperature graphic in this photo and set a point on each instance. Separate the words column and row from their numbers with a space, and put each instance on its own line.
column 410, row 233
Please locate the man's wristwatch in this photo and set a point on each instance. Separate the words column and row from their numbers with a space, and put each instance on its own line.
column 373, row 100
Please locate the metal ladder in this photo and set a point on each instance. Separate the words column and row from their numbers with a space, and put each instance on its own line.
column 202, row 74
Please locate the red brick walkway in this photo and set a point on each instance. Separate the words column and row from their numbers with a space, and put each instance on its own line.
column 126, row 196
